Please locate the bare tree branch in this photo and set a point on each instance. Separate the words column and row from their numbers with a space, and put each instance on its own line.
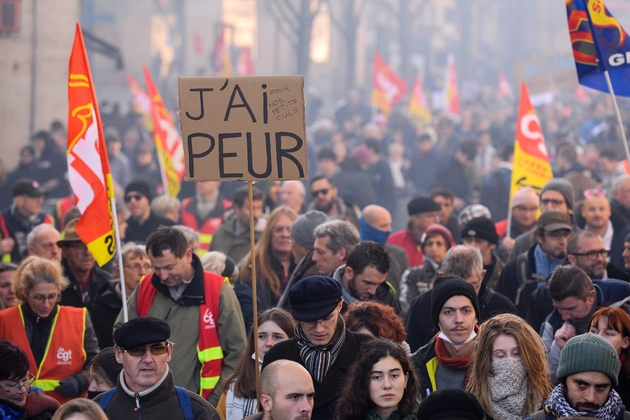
column 282, row 24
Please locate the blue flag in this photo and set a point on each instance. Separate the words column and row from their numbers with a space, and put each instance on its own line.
column 599, row 43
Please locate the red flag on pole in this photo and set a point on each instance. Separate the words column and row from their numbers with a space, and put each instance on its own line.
column 418, row 103
column 388, row 87
column 504, row 87
column 167, row 140
column 141, row 102
column 88, row 166
column 451, row 93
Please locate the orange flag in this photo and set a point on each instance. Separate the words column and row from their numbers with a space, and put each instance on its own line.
column 88, row 167
column 388, row 87
column 418, row 104
column 141, row 101
column 167, row 140
column 451, row 93
column 531, row 162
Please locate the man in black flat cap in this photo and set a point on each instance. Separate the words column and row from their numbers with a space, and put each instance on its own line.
column 322, row 344
column 145, row 387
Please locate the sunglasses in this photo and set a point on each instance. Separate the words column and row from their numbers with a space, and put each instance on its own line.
column 318, row 192
column 136, row 197
column 154, row 349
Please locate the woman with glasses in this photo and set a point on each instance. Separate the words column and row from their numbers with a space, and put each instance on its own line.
column 108, row 302
column 381, row 385
column 239, row 392
column 59, row 340
column 274, row 258
column 613, row 324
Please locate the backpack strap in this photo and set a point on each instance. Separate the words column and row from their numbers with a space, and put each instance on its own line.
column 184, row 402
column 106, row 398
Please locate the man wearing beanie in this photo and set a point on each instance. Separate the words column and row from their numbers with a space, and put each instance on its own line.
column 436, row 241
column 145, row 387
column 423, row 212
column 443, row 363
column 322, row 344
column 462, row 261
column 482, row 234
column 557, row 194
column 524, row 205
column 521, row 277
column 303, row 242
column 142, row 220
column 376, row 225
column 588, row 370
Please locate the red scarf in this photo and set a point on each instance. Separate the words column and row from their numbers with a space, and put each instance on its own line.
column 453, row 363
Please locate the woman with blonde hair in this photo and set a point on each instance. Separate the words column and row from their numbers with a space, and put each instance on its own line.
column 274, row 258
column 59, row 340
column 80, row 409
column 509, row 368
column 613, row 325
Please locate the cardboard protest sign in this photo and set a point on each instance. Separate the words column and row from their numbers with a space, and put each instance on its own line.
column 243, row 128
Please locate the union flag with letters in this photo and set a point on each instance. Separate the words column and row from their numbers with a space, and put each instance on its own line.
column 388, row 87
column 88, row 166
column 531, row 161
column 167, row 139
column 599, row 44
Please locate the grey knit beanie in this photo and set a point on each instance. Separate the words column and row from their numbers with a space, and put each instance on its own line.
column 589, row 353
column 564, row 187
column 446, row 287
column 302, row 228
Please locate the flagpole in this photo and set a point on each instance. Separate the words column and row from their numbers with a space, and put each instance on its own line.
column 252, row 246
column 618, row 114
column 123, row 291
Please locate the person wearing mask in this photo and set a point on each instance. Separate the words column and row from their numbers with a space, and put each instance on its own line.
column 509, row 368
column 382, row 384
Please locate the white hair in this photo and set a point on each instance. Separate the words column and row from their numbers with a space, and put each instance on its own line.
column 41, row 228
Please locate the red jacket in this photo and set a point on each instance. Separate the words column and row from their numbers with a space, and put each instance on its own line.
column 406, row 240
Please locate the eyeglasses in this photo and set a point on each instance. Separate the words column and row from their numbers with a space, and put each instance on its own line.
column 136, row 197
column 155, row 349
column 557, row 234
column 138, row 266
column 591, row 255
column 594, row 191
column 326, row 322
column 556, row 203
column 14, row 387
column 323, row 191
column 41, row 298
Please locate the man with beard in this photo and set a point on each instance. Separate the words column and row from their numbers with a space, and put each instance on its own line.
column 588, row 370
column 322, row 344
column 325, row 199
column 363, row 276
column 286, row 392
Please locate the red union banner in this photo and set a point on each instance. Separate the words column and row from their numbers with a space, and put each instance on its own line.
column 88, row 167
column 418, row 104
column 167, row 140
column 388, row 87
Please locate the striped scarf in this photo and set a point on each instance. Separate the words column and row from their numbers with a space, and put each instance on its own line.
column 319, row 359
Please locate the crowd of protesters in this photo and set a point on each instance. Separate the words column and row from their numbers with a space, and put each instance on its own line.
column 400, row 281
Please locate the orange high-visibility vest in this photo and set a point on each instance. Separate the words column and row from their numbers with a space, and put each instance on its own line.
column 206, row 231
column 209, row 347
column 64, row 355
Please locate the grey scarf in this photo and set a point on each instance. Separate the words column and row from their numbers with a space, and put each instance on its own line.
column 508, row 388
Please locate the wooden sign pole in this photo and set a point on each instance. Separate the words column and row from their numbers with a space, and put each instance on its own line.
column 252, row 245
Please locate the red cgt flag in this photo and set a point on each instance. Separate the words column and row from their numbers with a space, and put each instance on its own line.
column 388, row 87
column 451, row 92
column 88, row 167
column 418, row 103
column 141, row 101
column 167, row 139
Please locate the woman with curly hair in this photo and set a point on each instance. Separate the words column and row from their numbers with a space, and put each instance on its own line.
column 378, row 320
column 381, row 385
column 509, row 368
column 613, row 324
column 274, row 258
column 239, row 392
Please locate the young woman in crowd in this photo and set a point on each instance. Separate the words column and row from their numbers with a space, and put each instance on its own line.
column 613, row 324
column 509, row 368
column 49, row 332
column 239, row 392
column 17, row 399
column 274, row 257
column 381, row 385
column 378, row 320
column 80, row 409
column 103, row 373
